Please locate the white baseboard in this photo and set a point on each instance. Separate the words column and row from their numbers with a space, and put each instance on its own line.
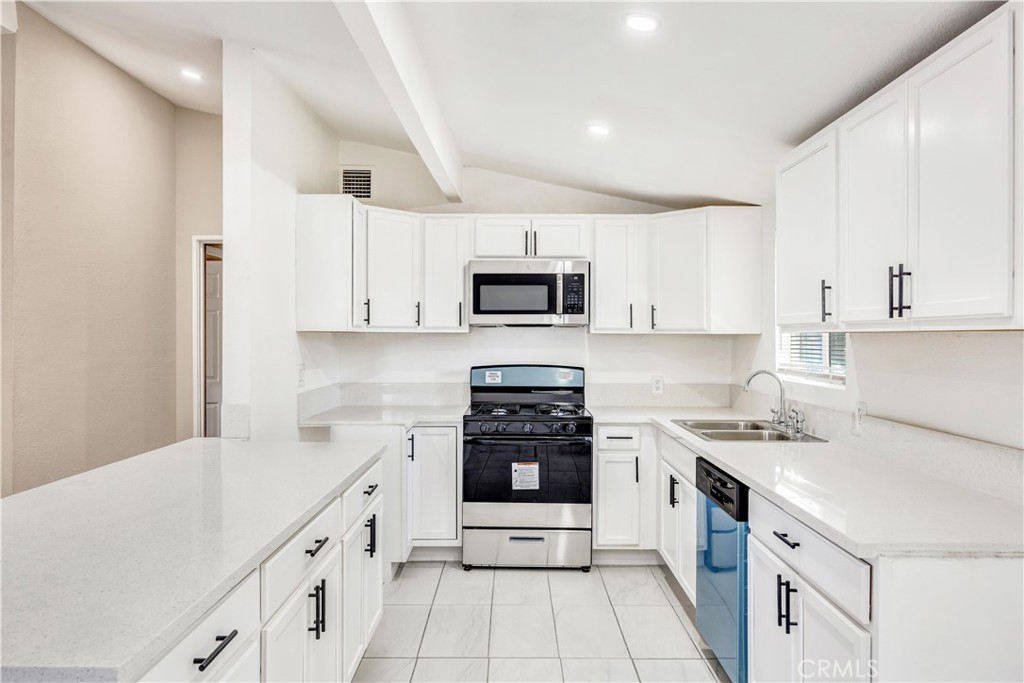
column 600, row 557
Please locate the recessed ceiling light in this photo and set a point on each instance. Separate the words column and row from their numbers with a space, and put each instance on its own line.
column 641, row 22
column 598, row 129
column 191, row 75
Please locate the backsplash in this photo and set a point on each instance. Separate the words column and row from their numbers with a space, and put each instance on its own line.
column 986, row 467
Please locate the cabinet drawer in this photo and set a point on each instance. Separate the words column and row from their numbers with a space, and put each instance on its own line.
column 618, row 438
column 361, row 494
column 239, row 611
column 285, row 569
column 679, row 456
column 844, row 578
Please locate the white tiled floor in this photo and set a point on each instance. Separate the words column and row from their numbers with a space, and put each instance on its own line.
column 614, row 624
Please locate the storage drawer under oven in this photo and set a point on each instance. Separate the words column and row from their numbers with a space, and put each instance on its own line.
column 526, row 548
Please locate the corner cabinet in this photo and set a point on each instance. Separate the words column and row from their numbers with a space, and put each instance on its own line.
column 323, row 263
column 805, row 233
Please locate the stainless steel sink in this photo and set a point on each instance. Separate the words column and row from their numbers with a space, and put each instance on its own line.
column 742, row 430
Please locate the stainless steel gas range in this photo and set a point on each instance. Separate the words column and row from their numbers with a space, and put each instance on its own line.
column 527, row 464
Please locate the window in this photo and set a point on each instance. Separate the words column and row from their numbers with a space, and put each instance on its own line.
column 818, row 356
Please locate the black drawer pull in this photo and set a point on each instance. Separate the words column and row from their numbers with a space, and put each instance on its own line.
column 672, row 500
column 320, row 542
column 204, row 663
column 371, row 524
column 369, row 491
column 621, row 438
column 785, row 539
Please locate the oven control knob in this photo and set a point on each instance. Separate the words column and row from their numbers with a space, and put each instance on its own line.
column 484, row 427
column 527, row 427
column 555, row 427
column 571, row 427
column 502, row 426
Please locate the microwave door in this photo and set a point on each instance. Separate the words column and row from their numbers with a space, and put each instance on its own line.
column 515, row 299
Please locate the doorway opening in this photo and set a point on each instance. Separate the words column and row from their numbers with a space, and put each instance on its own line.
column 207, row 334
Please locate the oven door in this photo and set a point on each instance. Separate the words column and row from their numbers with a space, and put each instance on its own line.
column 515, row 293
column 527, row 470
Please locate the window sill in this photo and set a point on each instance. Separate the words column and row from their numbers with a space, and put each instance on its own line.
column 811, row 381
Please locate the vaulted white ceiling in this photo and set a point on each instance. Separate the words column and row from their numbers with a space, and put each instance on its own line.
column 699, row 110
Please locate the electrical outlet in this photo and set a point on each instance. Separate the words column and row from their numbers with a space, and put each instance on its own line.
column 858, row 417
column 657, row 385
column 302, row 375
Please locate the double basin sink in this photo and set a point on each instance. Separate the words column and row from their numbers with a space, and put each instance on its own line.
column 742, row 430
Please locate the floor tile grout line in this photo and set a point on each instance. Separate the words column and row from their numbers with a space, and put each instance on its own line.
column 426, row 623
column 554, row 624
column 619, row 624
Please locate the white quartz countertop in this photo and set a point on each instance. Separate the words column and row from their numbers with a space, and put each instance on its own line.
column 865, row 504
column 400, row 415
column 105, row 571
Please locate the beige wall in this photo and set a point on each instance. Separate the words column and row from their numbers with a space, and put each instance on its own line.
column 6, row 249
column 198, row 183
column 93, row 260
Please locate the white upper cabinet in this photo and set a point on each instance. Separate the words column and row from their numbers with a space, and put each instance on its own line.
column 560, row 237
column 323, row 263
column 961, row 209
column 805, row 233
column 873, row 204
column 445, row 252
column 615, row 276
column 735, row 288
column 393, row 259
column 679, row 271
column 501, row 236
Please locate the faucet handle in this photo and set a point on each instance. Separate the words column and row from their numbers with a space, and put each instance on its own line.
column 797, row 418
column 776, row 416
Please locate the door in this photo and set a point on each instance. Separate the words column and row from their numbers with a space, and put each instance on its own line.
column 774, row 655
column 834, row 647
column 668, row 517
column 284, row 639
column 961, row 112
column 612, row 304
column 444, row 273
column 687, row 573
column 322, row 653
column 433, row 481
column 560, row 237
column 618, row 499
column 805, row 233
column 373, row 569
column 353, row 631
column 679, row 260
column 213, row 346
column 246, row 666
column 501, row 236
column 393, row 261
column 873, row 204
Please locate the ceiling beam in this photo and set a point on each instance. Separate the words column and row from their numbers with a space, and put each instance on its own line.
column 385, row 37
column 8, row 16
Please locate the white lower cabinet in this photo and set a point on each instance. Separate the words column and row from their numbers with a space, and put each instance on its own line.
column 432, row 476
column 362, row 593
column 796, row 634
column 618, row 499
column 687, row 570
column 679, row 516
column 669, row 522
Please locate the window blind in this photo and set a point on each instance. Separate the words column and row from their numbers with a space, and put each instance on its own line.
column 814, row 355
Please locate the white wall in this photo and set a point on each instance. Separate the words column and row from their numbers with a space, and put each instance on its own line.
column 198, row 211
column 401, row 181
column 275, row 147
column 93, row 317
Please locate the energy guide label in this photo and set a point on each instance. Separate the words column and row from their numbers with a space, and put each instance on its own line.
column 525, row 476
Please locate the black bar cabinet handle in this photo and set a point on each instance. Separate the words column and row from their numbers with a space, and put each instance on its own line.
column 460, row 314
column 412, row 448
column 367, row 318
column 371, row 524
column 369, row 491
column 824, row 312
column 534, row 242
column 620, row 438
column 631, row 316
column 205, row 662
column 320, row 542
column 417, row 313
column 636, row 465
column 526, row 245
column 672, row 491
column 793, row 545
column 653, row 324
column 323, row 605
column 892, row 308
column 778, row 598
column 319, row 614
column 789, row 591
column 901, row 274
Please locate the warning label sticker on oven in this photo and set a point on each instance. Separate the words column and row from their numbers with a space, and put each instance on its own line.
column 565, row 375
column 525, row 476
column 492, row 377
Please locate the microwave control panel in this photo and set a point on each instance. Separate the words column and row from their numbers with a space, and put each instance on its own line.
column 574, row 293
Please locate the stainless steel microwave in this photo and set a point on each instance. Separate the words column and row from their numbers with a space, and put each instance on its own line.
column 529, row 292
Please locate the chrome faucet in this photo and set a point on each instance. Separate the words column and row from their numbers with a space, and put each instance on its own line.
column 778, row 416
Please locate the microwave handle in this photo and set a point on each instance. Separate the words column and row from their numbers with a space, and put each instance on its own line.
column 558, row 294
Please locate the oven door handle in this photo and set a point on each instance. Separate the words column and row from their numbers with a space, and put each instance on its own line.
column 556, row 441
